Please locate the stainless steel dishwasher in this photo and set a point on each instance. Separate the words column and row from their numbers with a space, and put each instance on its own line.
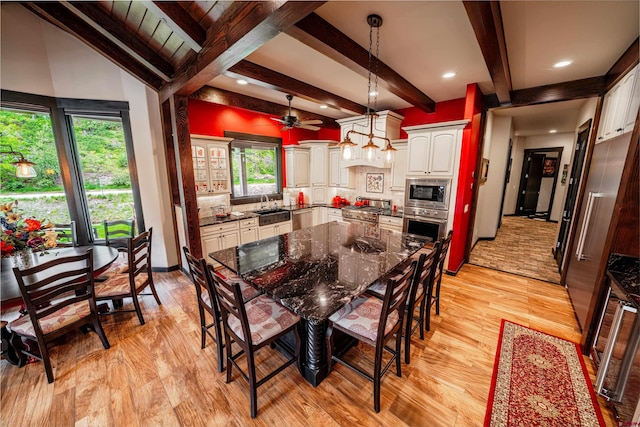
column 302, row 218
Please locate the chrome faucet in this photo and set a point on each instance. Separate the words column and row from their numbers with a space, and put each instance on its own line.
column 262, row 197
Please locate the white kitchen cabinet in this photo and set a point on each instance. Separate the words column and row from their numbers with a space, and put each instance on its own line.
column 434, row 150
column 320, row 215
column 248, row 230
column 339, row 175
column 210, row 165
column 399, row 166
column 620, row 107
column 334, row 214
column 297, row 164
column 392, row 223
column 271, row 230
column 319, row 169
column 219, row 236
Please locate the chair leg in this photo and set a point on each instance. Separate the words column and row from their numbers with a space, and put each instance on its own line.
column 329, row 343
column 377, row 368
column 397, row 355
column 203, row 327
column 421, row 319
column 253, row 388
column 44, row 354
column 219, row 344
column 227, row 341
column 438, row 297
column 427, row 314
column 153, row 289
column 16, row 342
column 97, row 327
column 136, row 304
column 407, row 338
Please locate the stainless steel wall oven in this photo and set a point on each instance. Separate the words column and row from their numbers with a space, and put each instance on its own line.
column 425, row 222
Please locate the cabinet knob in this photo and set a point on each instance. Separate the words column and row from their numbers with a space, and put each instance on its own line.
column 619, row 130
column 599, row 137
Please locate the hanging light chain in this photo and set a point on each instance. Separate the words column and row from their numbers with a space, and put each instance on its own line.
column 369, row 68
column 375, row 99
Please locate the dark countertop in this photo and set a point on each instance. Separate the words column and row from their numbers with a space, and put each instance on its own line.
column 315, row 271
column 624, row 272
column 212, row 220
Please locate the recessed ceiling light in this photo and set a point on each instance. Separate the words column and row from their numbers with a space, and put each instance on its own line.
column 242, row 82
column 323, row 107
column 562, row 64
column 448, row 75
column 553, row 131
column 373, row 93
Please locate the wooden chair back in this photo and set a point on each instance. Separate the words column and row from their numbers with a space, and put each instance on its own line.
column 117, row 232
column 395, row 297
column 231, row 303
column 426, row 268
column 139, row 255
column 67, row 235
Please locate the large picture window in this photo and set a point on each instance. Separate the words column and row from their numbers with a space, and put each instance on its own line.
column 256, row 168
column 84, row 158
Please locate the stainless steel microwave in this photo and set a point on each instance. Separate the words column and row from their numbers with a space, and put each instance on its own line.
column 427, row 193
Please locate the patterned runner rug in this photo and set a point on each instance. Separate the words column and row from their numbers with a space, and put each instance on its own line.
column 539, row 380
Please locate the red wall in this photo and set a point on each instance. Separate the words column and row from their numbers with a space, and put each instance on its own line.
column 468, row 158
column 446, row 111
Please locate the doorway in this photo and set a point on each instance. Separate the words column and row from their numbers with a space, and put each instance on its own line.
column 572, row 192
column 538, row 182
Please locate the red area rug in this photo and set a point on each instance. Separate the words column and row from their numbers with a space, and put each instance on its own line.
column 539, row 380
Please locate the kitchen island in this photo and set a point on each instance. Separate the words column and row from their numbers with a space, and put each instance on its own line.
column 315, row 271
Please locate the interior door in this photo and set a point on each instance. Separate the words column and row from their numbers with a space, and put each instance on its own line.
column 530, row 184
column 572, row 192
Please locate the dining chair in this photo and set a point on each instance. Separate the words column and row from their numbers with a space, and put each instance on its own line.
column 67, row 236
column 433, row 295
column 373, row 321
column 59, row 297
column 136, row 279
column 116, row 234
column 253, row 325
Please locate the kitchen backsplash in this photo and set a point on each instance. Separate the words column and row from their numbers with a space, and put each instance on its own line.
column 208, row 204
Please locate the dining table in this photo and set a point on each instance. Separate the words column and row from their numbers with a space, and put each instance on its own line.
column 103, row 257
column 316, row 271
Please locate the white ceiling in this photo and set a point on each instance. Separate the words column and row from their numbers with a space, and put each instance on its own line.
column 421, row 40
column 540, row 119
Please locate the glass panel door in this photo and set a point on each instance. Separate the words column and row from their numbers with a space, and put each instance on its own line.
column 104, row 164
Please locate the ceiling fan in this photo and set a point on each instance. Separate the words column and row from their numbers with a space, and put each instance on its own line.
column 292, row 121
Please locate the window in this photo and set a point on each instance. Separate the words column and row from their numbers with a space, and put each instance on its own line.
column 84, row 158
column 256, row 168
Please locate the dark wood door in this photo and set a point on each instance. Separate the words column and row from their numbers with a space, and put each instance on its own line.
column 572, row 192
column 530, row 184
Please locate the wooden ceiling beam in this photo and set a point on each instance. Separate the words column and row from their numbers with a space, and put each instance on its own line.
column 63, row 18
column 232, row 99
column 567, row 91
column 318, row 34
column 486, row 20
column 243, row 28
column 180, row 22
column 270, row 79
column 624, row 64
column 97, row 17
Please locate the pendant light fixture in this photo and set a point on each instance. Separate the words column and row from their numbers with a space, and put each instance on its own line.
column 374, row 21
column 24, row 168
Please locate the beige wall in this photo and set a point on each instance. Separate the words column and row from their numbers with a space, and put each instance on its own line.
column 39, row 58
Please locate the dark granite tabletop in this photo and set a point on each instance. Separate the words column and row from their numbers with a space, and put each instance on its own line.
column 624, row 272
column 315, row 271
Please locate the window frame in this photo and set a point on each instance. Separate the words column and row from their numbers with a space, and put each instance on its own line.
column 244, row 140
column 60, row 111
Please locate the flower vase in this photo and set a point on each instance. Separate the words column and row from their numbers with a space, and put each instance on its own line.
column 22, row 259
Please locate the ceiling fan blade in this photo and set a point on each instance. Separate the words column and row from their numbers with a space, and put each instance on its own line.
column 278, row 120
column 285, row 128
column 311, row 122
column 308, row 127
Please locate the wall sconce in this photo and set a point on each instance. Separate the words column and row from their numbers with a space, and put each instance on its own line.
column 24, row 168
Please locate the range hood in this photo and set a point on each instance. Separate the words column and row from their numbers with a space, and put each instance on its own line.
column 387, row 125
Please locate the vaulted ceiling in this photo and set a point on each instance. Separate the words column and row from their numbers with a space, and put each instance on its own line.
column 318, row 51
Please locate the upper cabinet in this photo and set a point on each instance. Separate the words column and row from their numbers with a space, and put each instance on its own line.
column 399, row 165
column 319, row 168
column 434, row 150
column 339, row 174
column 210, row 165
column 297, row 162
column 620, row 107
column 386, row 125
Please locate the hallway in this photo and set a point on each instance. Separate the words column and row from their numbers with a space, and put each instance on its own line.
column 522, row 246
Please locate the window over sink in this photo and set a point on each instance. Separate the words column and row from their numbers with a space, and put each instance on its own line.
column 256, row 167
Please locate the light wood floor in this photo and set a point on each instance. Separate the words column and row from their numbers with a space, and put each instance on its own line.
column 157, row 375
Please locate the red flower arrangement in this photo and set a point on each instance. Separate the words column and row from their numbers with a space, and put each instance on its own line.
column 19, row 234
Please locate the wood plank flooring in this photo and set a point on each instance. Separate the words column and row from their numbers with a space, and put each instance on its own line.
column 157, row 375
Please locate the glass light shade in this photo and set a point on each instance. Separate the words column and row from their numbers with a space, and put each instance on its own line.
column 369, row 150
column 346, row 152
column 24, row 169
column 389, row 154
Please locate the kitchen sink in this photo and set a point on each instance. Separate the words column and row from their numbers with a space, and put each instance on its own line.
column 272, row 216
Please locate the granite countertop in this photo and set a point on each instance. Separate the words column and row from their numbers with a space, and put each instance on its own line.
column 212, row 220
column 317, row 270
column 624, row 272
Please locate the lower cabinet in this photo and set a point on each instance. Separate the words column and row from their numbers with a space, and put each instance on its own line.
column 320, row 215
column 248, row 230
column 392, row 223
column 334, row 214
column 271, row 230
column 217, row 237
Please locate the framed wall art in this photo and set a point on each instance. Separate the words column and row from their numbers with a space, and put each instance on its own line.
column 375, row 182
